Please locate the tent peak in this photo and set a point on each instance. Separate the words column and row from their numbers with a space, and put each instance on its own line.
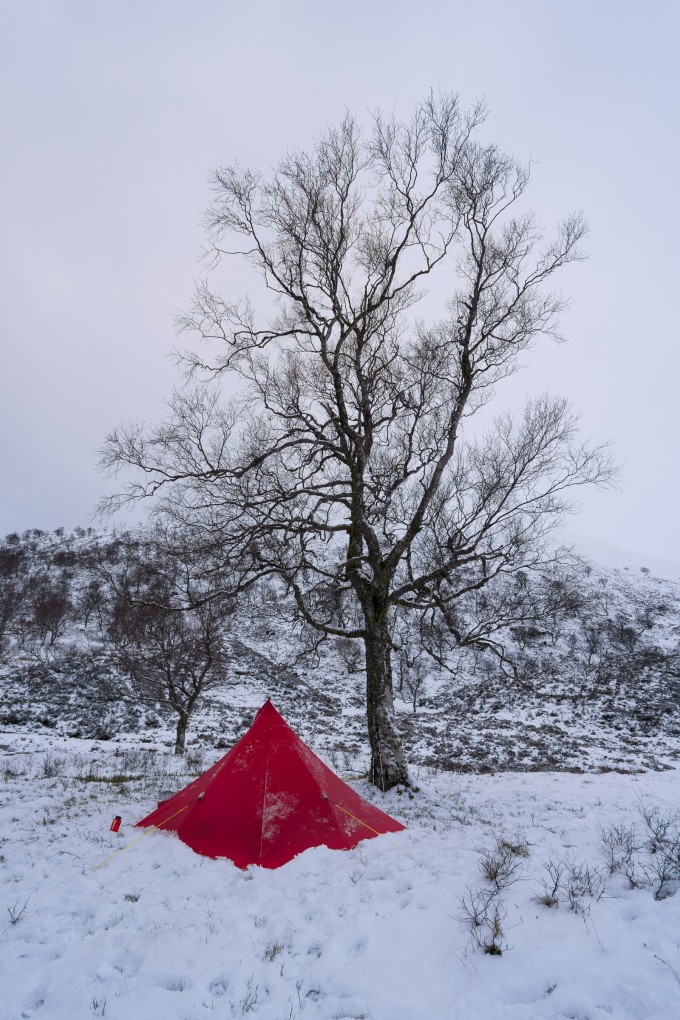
column 269, row 709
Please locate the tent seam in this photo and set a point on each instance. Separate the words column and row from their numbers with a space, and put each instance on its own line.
column 264, row 792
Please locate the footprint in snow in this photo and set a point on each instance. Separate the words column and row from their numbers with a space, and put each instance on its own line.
column 36, row 1004
column 357, row 949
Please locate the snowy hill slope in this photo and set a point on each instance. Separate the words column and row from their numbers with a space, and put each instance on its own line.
column 613, row 557
column 595, row 685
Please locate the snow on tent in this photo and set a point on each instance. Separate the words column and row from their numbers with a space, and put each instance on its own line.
column 267, row 800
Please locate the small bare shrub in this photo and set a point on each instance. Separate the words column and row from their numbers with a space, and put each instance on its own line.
column 517, row 845
column 548, row 895
column 249, row 1000
column 661, row 863
column 571, row 880
column 663, row 827
column 502, row 864
column 483, row 915
column 194, row 760
column 621, row 845
column 53, row 766
column 16, row 912
column 650, row 857
column 133, row 760
column 475, row 905
column 492, row 943
column 581, row 881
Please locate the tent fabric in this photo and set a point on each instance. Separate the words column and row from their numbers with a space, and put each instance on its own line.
column 268, row 799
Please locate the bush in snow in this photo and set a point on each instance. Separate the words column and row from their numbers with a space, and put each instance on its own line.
column 482, row 913
column 650, row 857
column 502, row 864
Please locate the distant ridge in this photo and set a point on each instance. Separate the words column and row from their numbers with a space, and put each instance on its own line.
column 607, row 554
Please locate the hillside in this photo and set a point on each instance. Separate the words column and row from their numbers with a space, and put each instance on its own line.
column 593, row 684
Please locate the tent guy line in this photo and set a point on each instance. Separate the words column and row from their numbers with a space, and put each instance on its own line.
column 401, row 849
column 148, row 832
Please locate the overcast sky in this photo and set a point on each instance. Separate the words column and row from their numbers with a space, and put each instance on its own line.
column 114, row 113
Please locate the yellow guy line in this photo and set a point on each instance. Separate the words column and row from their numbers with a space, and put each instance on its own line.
column 375, row 831
column 150, row 829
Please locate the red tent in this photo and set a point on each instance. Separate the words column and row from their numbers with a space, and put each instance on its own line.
column 267, row 800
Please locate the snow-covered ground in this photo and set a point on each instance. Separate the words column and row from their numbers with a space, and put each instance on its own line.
column 377, row 932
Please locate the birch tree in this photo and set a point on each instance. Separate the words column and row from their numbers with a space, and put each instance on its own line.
column 346, row 463
column 172, row 644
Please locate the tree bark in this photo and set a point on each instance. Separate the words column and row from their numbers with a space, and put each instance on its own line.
column 182, row 721
column 388, row 768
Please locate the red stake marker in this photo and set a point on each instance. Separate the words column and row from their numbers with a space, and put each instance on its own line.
column 115, row 824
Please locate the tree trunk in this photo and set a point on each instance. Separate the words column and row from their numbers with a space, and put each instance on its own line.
column 387, row 758
column 182, row 722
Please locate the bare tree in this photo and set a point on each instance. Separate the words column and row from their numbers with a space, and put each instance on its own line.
column 345, row 464
column 174, row 655
column 174, row 658
column 13, row 586
column 92, row 600
column 51, row 606
column 11, row 600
